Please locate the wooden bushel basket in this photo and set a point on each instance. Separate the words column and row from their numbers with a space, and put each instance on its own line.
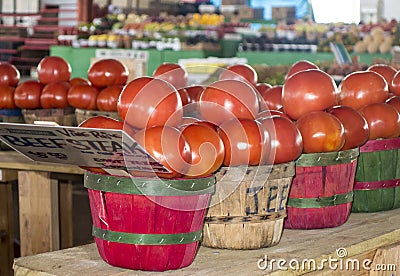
column 83, row 114
column 61, row 116
column 148, row 224
column 250, row 207
column 322, row 190
column 377, row 186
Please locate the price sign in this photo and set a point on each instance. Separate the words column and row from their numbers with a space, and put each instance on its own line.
column 92, row 147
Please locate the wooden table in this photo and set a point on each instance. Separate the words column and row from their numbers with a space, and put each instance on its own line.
column 42, row 217
column 365, row 236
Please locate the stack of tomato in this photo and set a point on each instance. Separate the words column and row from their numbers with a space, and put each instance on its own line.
column 9, row 79
column 233, row 126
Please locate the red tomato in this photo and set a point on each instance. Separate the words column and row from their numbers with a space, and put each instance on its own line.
column 246, row 142
column 168, row 146
column 356, row 131
column 286, row 140
column 361, row 88
column 108, row 97
column 262, row 87
column 194, row 92
column 27, row 94
column 7, row 97
column 386, row 71
column 9, row 74
column 54, row 95
column 243, row 72
column 83, row 96
column 227, row 99
column 100, row 122
column 306, row 91
column 184, row 96
column 383, row 120
column 273, row 97
column 173, row 73
column 188, row 120
column 207, row 149
column 321, row 132
column 396, row 84
column 298, row 66
column 269, row 113
column 78, row 80
column 107, row 72
column 53, row 68
column 395, row 102
column 148, row 101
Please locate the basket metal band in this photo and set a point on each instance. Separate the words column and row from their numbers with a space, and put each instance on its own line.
column 146, row 186
column 245, row 219
column 328, row 158
column 146, row 239
column 321, row 201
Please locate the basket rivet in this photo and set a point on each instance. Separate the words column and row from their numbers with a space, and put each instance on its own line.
column 87, row 177
column 143, row 184
column 195, row 237
column 181, row 240
column 194, row 183
column 119, row 238
column 319, row 158
column 104, row 235
column 118, row 182
column 169, row 185
column 98, row 180
column 161, row 241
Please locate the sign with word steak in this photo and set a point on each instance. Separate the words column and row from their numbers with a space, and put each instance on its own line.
column 92, row 147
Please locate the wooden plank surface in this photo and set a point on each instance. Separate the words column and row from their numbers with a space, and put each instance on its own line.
column 364, row 235
column 39, row 217
column 66, row 224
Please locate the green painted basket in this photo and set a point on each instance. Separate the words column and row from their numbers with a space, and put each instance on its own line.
column 377, row 186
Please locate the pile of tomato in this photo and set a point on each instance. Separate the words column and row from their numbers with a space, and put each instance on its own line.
column 193, row 130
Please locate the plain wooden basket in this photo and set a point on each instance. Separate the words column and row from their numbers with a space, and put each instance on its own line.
column 248, row 207
column 61, row 116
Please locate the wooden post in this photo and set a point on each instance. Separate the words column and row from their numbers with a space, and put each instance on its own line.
column 38, row 215
column 6, row 225
column 66, row 224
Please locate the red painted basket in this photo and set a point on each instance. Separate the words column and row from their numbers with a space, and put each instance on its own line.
column 321, row 194
column 377, row 186
column 148, row 224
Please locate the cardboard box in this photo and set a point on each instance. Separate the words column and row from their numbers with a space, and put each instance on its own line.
column 284, row 13
column 245, row 12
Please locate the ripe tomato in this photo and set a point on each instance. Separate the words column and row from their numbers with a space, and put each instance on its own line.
column 53, row 68
column 321, row 132
column 168, row 146
column 78, row 80
column 9, row 74
column 184, row 96
column 306, row 91
column 262, row 87
column 54, row 95
column 173, row 73
column 148, row 101
column 108, row 97
column 107, row 72
column 27, row 94
column 188, row 120
column 100, row 122
column 298, row 66
column 243, row 72
column 270, row 113
column 396, row 84
column 7, row 97
column 386, row 71
column 383, row 120
column 273, row 97
column 227, row 99
column 83, row 96
column 207, row 149
column 356, row 131
column 361, row 88
column 246, row 142
column 194, row 92
column 395, row 102
column 286, row 140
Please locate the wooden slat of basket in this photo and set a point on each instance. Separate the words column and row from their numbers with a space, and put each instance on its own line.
column 63, row 117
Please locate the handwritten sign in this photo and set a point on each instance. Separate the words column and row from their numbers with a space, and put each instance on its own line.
column 92, row 147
